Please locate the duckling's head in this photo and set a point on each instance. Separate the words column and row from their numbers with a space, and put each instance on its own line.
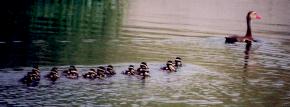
column 93, row 70
column 101, row 68
column 143, row 65
column 34, row 71
column 110, row 67
column 72, row 67
column 54, row 69
column 177, row 59
column 169, row 63
column 131, row 67
column 35, row 67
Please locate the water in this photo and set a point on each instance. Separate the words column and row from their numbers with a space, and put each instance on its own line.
column 93, row 33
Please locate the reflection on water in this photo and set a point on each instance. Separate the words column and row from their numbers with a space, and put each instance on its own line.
column 89, row 33
column 247, row 54
column 60, row 32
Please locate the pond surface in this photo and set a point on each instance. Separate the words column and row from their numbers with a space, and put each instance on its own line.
column 101, row 32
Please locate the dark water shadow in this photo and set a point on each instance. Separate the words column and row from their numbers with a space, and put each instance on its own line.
column 246, row 62
column 247, row 55
column 58, row 32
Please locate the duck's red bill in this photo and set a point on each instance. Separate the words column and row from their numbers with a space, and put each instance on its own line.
column 258, row 17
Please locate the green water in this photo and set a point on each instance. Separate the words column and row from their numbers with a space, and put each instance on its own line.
column 57, row 32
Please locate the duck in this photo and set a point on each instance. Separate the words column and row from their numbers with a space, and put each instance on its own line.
column 71, row 73
column 53, row 74
column 27, row 79
column 92, row 74
column 178, row 62
column 169, row 67
column 31, row 78
column 110, row 70
column 101, row 72
column 130, row 71
column 36, row 69
column 36, row 74
column 252, row 15
column 143, row 70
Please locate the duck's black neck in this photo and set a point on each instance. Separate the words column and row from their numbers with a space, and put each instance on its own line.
column 249, row 32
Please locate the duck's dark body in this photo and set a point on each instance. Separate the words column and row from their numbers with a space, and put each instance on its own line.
column 231, row 40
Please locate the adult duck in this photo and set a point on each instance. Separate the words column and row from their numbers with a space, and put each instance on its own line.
column 248, row 37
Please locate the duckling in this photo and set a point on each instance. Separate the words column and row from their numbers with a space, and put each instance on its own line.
column 101, row 71
column 27, row 78
column 178, row 62
column 91, row 74
column 53, row 75
column 36, row 69
column 110, row 70
column 32, row 77
column 130, row 71
column 71, row 73
column 35, row 74
column 143, row 70
column 169, row 67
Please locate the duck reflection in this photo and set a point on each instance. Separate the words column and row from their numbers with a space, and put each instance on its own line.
column 247, row 54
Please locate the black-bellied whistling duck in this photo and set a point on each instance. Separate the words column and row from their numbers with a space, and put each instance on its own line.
column 235, row 38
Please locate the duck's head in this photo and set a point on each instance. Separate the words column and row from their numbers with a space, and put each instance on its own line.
column 92, row 70
column 54, row 69
column 34, row 71
column 143, row 65
column 177, row 59
column 253, row 15
column 131, row 67
column 101, row 68
column 72, row 67
column 110, row 67
column 35, row 67
column 169, row 63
